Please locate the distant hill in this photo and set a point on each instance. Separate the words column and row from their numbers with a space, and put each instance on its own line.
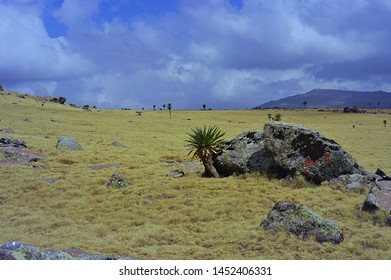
column 332, row 98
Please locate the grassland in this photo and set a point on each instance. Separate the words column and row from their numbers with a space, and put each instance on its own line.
column 157, row 217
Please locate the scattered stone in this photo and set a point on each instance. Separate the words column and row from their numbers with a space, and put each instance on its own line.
column 68, row 143
column 117, row 180
column 302, row 221
column 19, row 155
column 103, row 166
column 19, row 251
column 7, row 130
column 49, row 181
column 300, row 150
column 380, row 197
column 6, row 142
column 176, row 174
column 246, row 153
column 118, row 144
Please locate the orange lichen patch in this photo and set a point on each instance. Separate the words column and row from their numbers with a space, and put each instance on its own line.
column 309, row 163
column 326, row 157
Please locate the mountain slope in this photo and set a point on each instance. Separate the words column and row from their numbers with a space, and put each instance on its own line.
column 331, row 98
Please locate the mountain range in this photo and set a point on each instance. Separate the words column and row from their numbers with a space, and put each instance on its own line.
column 332, row 98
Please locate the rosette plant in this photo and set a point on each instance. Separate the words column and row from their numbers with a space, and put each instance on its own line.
column 202, row 143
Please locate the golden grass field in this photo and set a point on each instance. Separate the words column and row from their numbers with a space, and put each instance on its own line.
column 157, row 217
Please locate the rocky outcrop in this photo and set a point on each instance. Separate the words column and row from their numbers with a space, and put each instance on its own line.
column 68, row 143
column 300, row 150
column 246, row 153
column 284, row 149
column 60, row 100
column 20, row 251
column 302, row 221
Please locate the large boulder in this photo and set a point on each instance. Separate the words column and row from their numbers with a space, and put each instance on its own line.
column 59, row 99
column 300, row 150
column 245, row 153
column 68, row 143
column 302, row 221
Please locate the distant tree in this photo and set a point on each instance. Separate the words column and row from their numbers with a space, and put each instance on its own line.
column 164, row 106
column 269, row 116
column 385, row 123
column 370, row 105
column 204, row 106
column 142, row 108
column 154, row 107
column 278, row 117
column 378, row 104
column 203, row 142
column 305, row 104
column 169, row 107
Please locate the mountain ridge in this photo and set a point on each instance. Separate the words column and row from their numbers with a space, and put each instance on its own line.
column 332, row 98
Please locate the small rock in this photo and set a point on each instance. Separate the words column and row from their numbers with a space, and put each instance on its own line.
column 68, row 143
column 118, row 144
column 116, row 180
column 7, row 142
column 7, row 130
column 176, row 174
column 103, row 166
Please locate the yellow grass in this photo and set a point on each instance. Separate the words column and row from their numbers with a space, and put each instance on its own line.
column 157, row 217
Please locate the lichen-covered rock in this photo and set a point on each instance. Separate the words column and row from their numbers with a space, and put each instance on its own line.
column 298, row 149
column 302, row 221
column 19, row 251
column 245, row 153
column 116, row 180
column 68, row 143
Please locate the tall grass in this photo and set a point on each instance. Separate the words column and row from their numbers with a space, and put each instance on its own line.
column 157, row 217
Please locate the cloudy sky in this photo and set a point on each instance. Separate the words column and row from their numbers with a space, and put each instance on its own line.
column 227, row 54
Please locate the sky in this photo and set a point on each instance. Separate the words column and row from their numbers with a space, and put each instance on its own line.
column 226, row 54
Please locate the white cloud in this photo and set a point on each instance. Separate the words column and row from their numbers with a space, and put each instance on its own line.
column 208, row 52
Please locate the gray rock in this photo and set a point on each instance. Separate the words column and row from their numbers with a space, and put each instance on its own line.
column 118, row 144
column 116, row 180
column 379, row 198
column 7, row 130
column 19, row 155
column 351, row 182
column 19, row 251
column 68, row 143
column 300, row 150
column 176, row 174
column 245, row 153
column 302, row 221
